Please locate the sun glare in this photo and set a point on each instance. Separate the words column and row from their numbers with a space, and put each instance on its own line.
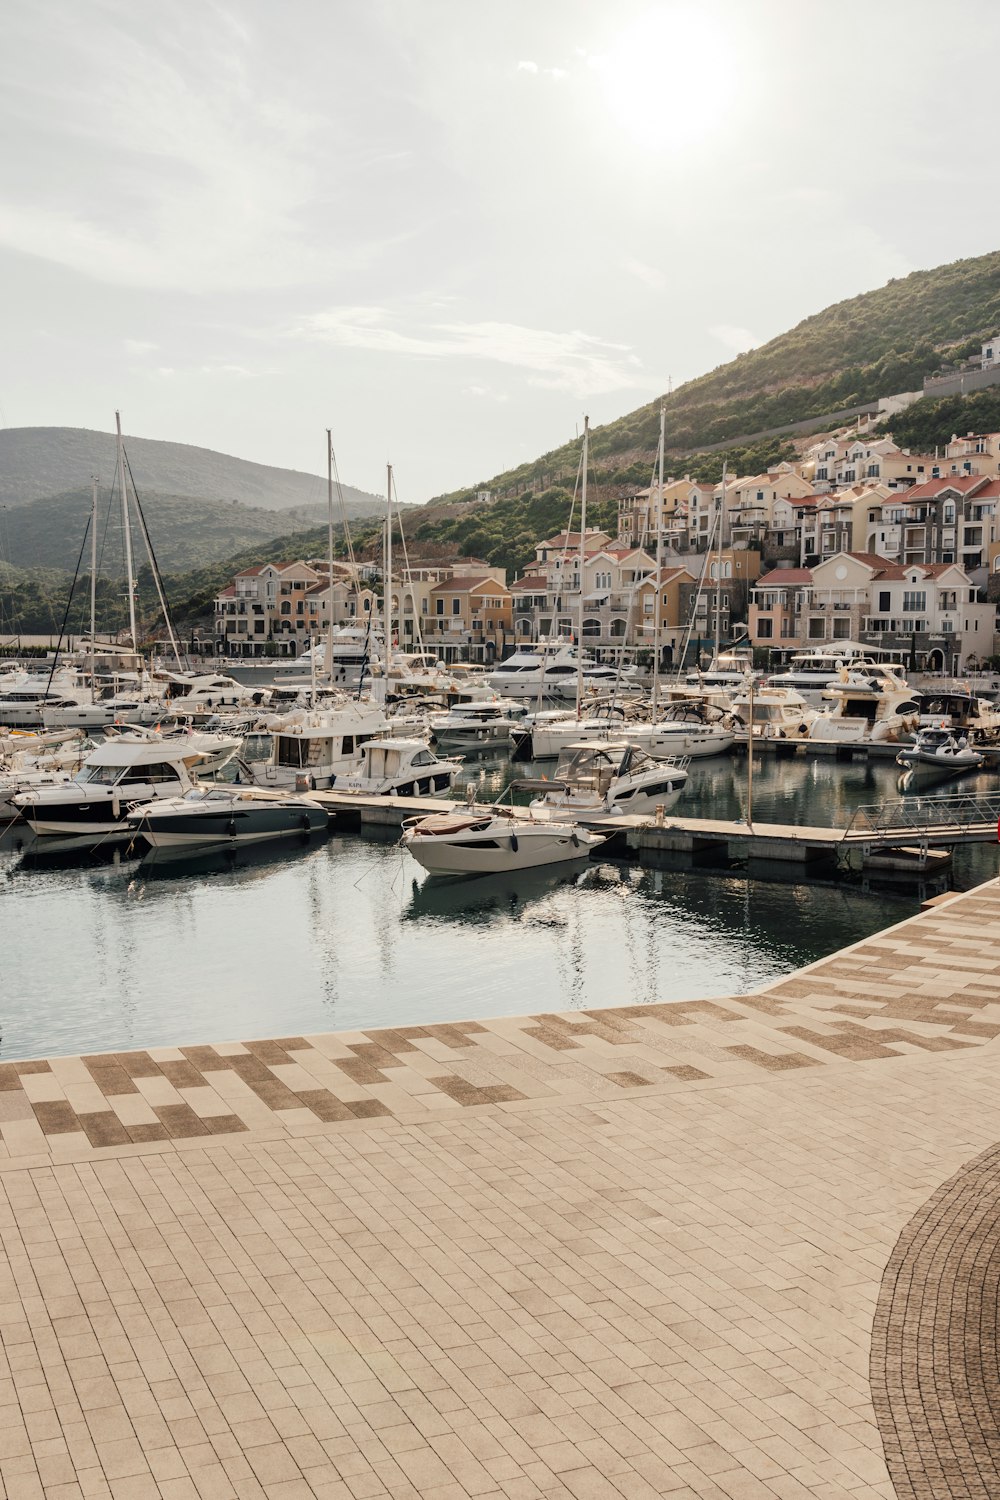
column 667, row 77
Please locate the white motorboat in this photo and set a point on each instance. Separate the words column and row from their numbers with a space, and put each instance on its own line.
column 609, row 777
column 940, row 751
column 873, row 704
column 114, row 777
column 477, row 726
column 731, row 670
column 779, row 713
column 811, row 672
column 310, row 748
column 208, row 751
column 663, row 740
column 120, row 708
column 224, row 815
column 494, row 841
column 399, row 768
column 552, row 668
column 354, row 651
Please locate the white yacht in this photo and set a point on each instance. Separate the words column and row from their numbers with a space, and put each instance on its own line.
column 778, row 713
column 551, row 669
column 312, row 747
column 114, row 778
column 399, row 768
column 867, row 704
column 811, row 672
column 354, row 651
column 478, row 725
column 613, row 777
column 730, row 669
column 494, row 841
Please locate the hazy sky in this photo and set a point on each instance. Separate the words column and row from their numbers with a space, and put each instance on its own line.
column 447, row 229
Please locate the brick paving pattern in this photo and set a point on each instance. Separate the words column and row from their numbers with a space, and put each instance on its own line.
column 634, row 1251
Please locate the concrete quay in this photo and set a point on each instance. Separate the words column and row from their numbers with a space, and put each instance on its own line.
column 732, row 1249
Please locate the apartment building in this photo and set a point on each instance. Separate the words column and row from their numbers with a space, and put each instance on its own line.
column 469, row 617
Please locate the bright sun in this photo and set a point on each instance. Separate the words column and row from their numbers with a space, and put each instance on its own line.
column 667, row 77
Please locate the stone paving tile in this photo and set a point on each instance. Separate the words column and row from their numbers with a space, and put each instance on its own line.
column 621, row 1252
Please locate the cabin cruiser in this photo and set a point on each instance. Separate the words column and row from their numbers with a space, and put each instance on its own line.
column 399, row 768
column 609, row 777
column 810, row 672
column 354, row 649
column 119, row 708
column 309, row 749
column 779, row 713
column 207, row 750
column 188, row 692
column 28, row 761
column 494, row 841
column 939, row 751
column 959, row 709
column 22, row 702
column 552, row 669
column 113, row 778
column 868, row 704
column 224, row 815
column 478, row 725
column 730, row 669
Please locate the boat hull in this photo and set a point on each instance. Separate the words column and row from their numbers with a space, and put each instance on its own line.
column 522, row 849
column 163, row 830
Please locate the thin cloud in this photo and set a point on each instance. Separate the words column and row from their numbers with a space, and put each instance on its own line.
column 649, row 275
column 574, row 361
column 738, row 339
column 526, row 66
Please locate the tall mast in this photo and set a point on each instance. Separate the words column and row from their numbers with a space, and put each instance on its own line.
column 718, row 567
column 329, row 552
column 387, row 603
column 127, row 533
column 657, row 609
column 583, row 553
column 93, row 583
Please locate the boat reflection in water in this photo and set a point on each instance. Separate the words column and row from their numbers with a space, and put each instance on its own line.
column 482, row 897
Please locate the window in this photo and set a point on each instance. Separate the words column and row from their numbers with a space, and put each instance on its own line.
column 914, row 601
column 841, row 629
column 883, row 602
column 456, row 606
column 786, row 628
column 440, row 606
column 765, row 629
column 817, row 630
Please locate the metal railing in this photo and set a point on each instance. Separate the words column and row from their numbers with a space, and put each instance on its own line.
column 966, row 813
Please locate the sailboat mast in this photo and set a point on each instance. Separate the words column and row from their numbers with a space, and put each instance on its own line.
column 657, row 608
column 718, row 569
column 127, row 534
column 329, row 553
column 93, row 582
column 387, row 602
column 583, row 555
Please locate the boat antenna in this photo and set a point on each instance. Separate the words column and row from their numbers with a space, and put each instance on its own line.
column 387, row 586
column 127, row 534
column 583, row 554
column 657, row 614
column 93, row 586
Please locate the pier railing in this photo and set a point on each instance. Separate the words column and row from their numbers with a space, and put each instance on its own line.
column 966, row 815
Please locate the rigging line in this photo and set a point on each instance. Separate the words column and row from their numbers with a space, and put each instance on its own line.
column 343, row 512
column 155, row 566
column 69, row 601
column 417, row 633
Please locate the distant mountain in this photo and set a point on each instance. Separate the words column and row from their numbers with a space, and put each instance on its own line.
column 185, row 533
column 38, row 462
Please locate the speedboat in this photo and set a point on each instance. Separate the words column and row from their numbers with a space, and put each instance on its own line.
column 399, row 768
column 493, row 842
column 613, row 777
column 113, row 778
column 223, row 815
column 939, row 751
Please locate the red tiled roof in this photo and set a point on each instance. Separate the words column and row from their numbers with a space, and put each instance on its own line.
column 466, row 585
column 252, row 572
column 778, row 578
column 965, row 484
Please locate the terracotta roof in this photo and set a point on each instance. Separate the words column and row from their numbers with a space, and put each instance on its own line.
column 778, row 578
column 965, row 484
column 535, row 585
column 252, row 572
column 465, row 585
column 229, row 593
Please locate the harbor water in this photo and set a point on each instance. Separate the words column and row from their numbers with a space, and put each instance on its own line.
column 103, row 952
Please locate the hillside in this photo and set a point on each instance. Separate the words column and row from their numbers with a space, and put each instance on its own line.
column 872, row 345
column 185, row 533
column 36, row 462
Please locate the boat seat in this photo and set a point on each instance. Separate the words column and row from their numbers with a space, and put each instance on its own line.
column 446, row 824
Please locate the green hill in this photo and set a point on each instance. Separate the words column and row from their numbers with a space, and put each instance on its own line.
column 872, row 345
column 47, row 533
column 36, row 462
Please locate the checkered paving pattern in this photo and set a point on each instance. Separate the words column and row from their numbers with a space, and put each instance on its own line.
column 630, row 1252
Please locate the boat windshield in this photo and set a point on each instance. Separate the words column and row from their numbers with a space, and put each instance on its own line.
column 100, row 775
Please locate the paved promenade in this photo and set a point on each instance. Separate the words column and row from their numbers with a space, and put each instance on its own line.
column 735, row 1250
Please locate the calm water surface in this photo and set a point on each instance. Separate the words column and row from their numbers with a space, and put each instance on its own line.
column 108, row 953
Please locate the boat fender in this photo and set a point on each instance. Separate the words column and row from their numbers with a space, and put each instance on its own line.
column 231, row 827
column 513, row 843
column 304, row 822
column 575, row 839
column 116, row 806
column 482, row 734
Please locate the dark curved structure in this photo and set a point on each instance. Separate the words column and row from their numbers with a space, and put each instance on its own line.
column 934, row 1362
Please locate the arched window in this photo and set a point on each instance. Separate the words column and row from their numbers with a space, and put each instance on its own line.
column 591, row 627
column 618, row 628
